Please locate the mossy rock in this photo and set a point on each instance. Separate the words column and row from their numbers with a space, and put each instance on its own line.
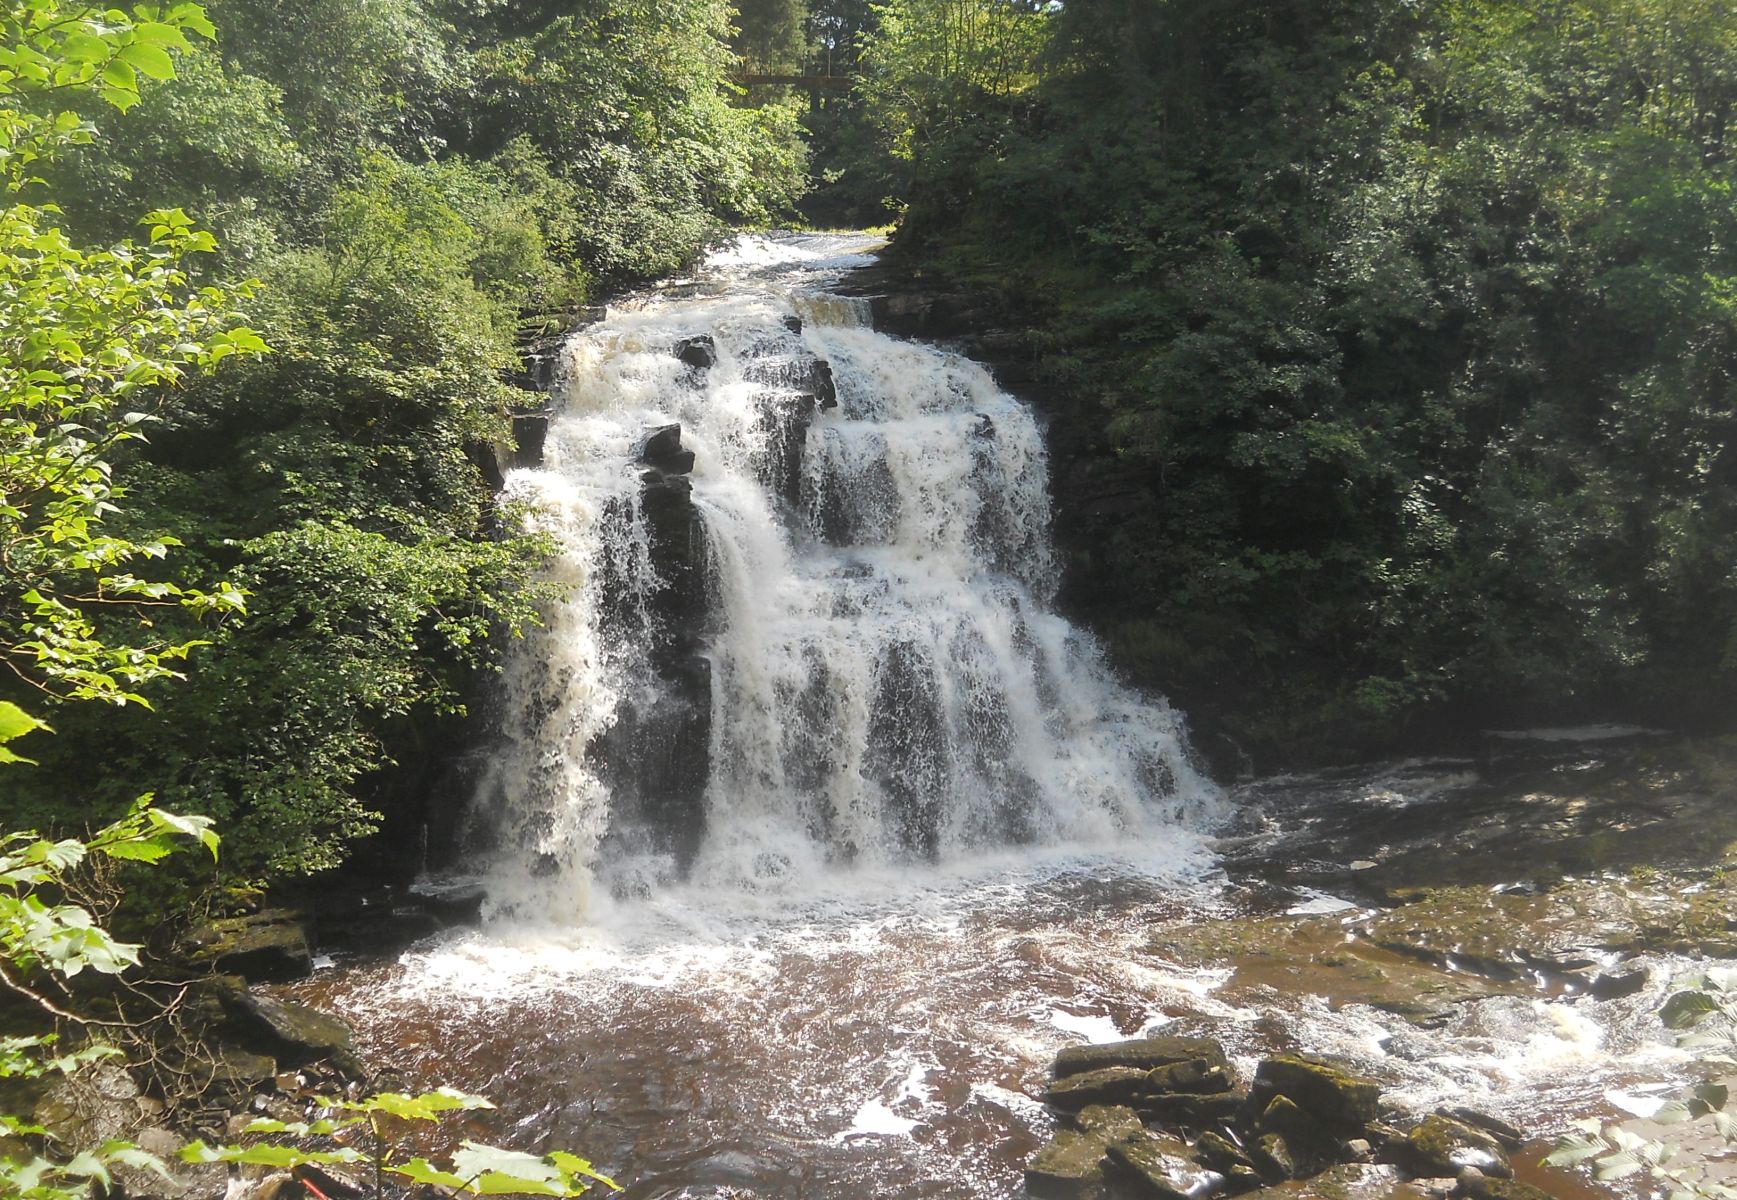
column 1144, row 1053
column 266, row 947
column 1442, row 1146
column 1160, row 1167
column 1334, row 1096
column 1069, row 1167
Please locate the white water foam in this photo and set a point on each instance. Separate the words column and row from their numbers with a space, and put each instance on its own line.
column 888, row 683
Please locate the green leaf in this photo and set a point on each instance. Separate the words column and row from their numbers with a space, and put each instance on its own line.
column 121, row 76
column 1686, row 1009
column 420, row 1170
column 155, row 33
column 268, row 1155
column 578, row 1167
column 499, row 1172
column 15, row 723
column 424, row 1107
column 153, row 62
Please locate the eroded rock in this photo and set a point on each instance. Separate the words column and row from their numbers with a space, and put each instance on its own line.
column 1441, row 1146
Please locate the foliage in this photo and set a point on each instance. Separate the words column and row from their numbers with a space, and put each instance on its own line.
column 88, row 340
column 931, row 64
column 45, row 939
column 473, row 1168
column 1401, row 334
column 1704, row 1014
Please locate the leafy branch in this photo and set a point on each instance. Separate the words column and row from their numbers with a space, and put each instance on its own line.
column 1704, row 1013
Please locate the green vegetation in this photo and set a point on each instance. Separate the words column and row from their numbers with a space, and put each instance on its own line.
column 1402, row 336
column 473, row 1169
column 401, row 192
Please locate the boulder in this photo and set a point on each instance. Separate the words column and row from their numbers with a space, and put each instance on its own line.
column 1282, row 1115
column 294, row 1033
column 793, row 324
column 1110, row 1085
column 1144, row 1053
column 270, row 946
column 1069, row 1167
column 699, row 352
column 1334, row 1096
column 1479, row 1186
column 1510, row 1137
column 1162, row 1168
column 1442, row 1146
column 663, row 450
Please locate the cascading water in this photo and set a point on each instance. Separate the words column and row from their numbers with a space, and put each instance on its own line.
column 809, row 621
column 813, row 832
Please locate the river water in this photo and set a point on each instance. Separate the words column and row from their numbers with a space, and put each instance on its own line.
column 799, row 879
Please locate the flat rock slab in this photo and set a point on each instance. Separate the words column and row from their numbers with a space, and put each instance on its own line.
column 1142, row 1053
column 1108, row 1085
column 1160, row 1167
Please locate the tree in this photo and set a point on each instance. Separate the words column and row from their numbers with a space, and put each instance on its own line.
column 89, row 342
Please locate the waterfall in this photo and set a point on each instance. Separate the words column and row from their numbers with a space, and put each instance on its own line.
column 810, row 615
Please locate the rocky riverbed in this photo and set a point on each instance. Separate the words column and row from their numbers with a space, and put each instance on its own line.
column 1488, row 935
column 1464, row 955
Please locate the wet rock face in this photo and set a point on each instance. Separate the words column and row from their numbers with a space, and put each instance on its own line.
column 699, row 352
column 265, row 947
column 658, row 751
